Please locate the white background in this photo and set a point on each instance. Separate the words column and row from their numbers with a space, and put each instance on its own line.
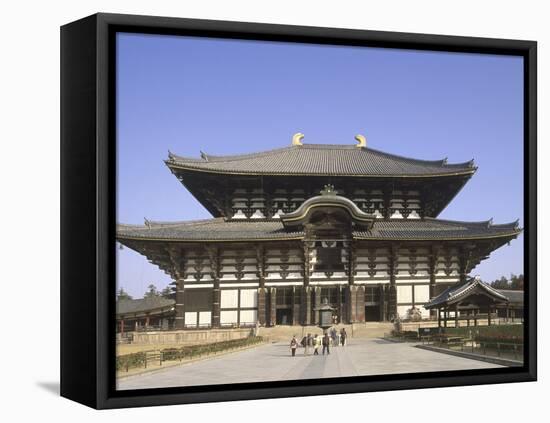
column 29, row 369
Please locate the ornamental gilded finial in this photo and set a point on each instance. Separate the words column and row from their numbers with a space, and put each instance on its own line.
column 328, row 190
column 297, row 138
column 362, row 141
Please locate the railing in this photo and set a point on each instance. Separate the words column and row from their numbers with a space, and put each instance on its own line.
column 506, row 350
column 144, row 359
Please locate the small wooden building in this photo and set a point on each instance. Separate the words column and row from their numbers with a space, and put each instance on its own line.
column 468, row 301
column 513, row 312
column 145, row 314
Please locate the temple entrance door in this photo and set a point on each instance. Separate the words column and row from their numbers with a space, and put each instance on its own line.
column 283, row 316
column 372, row 303
column 372, row 313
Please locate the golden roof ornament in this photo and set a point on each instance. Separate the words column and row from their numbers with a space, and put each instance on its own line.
column 362, row 141
column 297, row 138
column 328, row 190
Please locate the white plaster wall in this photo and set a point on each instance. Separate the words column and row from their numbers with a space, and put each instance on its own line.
column 249, row 298
column 190, row 318
column 205, row 318
column 229, row 298
column 249, row 316
column 228, row 316
column 404, row 294
column 421, row 293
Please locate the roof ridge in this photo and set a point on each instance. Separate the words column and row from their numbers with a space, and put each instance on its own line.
column 158, row 223
column 205, row 157
column 465, row 222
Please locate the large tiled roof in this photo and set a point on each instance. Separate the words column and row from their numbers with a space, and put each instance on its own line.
column 218, row 229
column 142, row 305
column 320, row 159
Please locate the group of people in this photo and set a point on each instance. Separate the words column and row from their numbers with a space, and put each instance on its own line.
column 329, row 338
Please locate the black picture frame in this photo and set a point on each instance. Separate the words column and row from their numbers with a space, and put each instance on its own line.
column 88, row 209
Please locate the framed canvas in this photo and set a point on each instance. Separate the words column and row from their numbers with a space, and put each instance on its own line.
column 304, row 231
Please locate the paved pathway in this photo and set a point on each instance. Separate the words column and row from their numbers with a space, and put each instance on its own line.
column 273, row 362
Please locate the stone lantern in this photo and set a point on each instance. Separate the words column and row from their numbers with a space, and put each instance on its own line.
column 325, row 314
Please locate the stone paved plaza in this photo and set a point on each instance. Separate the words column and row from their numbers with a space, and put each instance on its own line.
column 273, row 362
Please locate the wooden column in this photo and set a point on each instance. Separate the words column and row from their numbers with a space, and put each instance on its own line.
column 316, row 304
column 360, row 304
column 262, row 313
column 393, row 288
column 295, row 307
column 432, row 264
column 177, row 261
column 340, row 305
column 347, row 306
column 382, row 303
column 262, row 291
column 475, row 317
column 445, row 316
column 306, row 301
column 489, row 315
column 456, row 315
column 215, row 274
column 180, row 306
column 352, row 303
column 122, row 326
column 306, row 290
column 273, row 306
column 438, row 317
column 216, row 299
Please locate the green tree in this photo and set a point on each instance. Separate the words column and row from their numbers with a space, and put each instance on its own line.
column 170, row 291
column 151, row 292
column 516, row 282
column 122, row 295
column 501, row 283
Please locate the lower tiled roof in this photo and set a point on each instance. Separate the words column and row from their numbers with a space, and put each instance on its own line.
column 218, row 229
column 142, row 305
column 429, row 228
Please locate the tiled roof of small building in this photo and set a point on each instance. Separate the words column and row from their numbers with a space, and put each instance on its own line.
column 514, row 296
column 320, row 159
column 142, row 305
column 463, row 290
column 218, row 229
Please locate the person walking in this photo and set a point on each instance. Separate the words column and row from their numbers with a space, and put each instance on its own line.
column 293, row 345
column 333, row 337
column 326, row 343
column 343, row 337
column 316, row 345
column 309, row 344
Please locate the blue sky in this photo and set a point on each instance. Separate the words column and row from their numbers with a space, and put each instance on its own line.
column 186, row 94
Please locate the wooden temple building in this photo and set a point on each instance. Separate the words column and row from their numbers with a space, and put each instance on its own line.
column 295, row 225
column 467, row 302
column 145, row 314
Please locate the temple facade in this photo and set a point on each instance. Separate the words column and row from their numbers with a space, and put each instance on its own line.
column 298, row 224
